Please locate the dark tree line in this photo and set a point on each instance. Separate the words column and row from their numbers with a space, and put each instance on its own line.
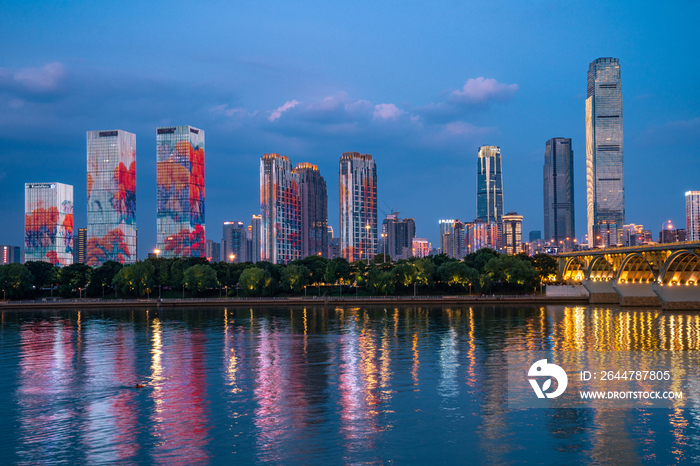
column 483, row 271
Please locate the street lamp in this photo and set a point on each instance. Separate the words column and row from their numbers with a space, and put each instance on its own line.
column 367, row 227
column 384, row 235
column 232, row 257
column 157, row 251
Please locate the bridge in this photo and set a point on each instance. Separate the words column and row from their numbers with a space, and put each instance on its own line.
column 663, row 275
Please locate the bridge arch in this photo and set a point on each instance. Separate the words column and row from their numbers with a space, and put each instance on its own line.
column 600, row 269
column 635, row 269
column 574, row 270
column 680, row 268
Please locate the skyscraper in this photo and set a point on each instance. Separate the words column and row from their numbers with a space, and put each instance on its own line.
column 605, row 176
column 233, row 243
column 558, row 183
column 397, row 236
column 512, row 233
column 180, row 191
column 255, row 247
column 280, row 210
column 48, row 223
column 111, row 197
column 314, row 210
column 358, row 206
column 452, row 240
column 80, row 246
column 212, row 251
column 692, row 215
column 489, row 185
column 10, row 255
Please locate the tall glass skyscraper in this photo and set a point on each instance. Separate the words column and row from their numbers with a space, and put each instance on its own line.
column 111, row 197
column 180, row 191
column 358, row 206
column 559, row 220
column 489, row 185
column 280, row 210
column 48, row 223
column 605, row 176
column 692, row 215
column 314, row 210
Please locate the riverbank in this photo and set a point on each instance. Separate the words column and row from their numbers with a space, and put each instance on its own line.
column 56, row 303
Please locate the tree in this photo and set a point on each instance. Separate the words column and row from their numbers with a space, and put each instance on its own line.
column 252, row 281
column 330, row 275
column 102, row 277
column 199, row 278
column 135, row 279
column 478, row 259
column 511, row 271
column 405, row 274
column 382, row 258
column 43, row 273
column 425, row 269
column 316, row 265
column 343, row 271
column 455, row 273
column 546, row 266
column 16, row 281
column 73, row 277
column 294, row 277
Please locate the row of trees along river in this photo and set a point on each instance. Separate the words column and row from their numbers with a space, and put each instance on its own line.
column 483, row 271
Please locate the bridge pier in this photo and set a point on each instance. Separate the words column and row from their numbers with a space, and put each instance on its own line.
column 601, row 292
column 678, row 297
column 636, row 294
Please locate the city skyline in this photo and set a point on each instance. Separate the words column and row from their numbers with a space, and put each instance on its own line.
column 304, row 91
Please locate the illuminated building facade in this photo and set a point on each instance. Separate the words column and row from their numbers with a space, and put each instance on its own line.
column 314, row 210
column 559, row 219
column 420, row 247
column 280, row 210
column 10, row 255
column 254, row 236
column 80, row 246
column 233, row 243
column 604, row 235
column 512, row 233
column 605, row 176
column 180, row 191
column 482, row 235
column 692, row 215
column 358, row 206
column 48, row 223
column 111, row 195
column 489, row 185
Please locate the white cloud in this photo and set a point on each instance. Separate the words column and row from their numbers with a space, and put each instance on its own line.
column 275, row 114
column 387, row 111
column 35, row 80
column 481, row 91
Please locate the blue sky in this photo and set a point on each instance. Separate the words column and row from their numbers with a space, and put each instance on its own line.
column 419, row 85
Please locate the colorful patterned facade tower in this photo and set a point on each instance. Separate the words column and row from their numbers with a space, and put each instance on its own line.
column 358, row 206
column 111, row 197
column 180, row 196
column 605, row 162
column 48, row 223
column 314, row 210
column 280, row 209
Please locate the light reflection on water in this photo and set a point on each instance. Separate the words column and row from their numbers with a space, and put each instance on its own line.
column 315, row 385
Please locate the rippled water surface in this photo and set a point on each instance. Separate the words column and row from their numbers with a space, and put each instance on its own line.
column 369, row 385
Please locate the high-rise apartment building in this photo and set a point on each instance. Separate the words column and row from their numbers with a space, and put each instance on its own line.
column 314, row 210
column 605, row 175
column 559, row 218
column 255, row 246
column 420, row 247
column 333, row 244
column 233, row 243
column 212, row 251
column 512, row 233
column 358, row 206
column 482, row 235
column 80, row 246
column 397, row 236
column 280, row 209
column 692, row 215
column 489, row 185
column 10, row 255
column 452, row 238
column 48, row 223
column 111, row 197
column 180, row 191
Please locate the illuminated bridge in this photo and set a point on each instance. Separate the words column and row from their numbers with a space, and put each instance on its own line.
column 654, row 275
